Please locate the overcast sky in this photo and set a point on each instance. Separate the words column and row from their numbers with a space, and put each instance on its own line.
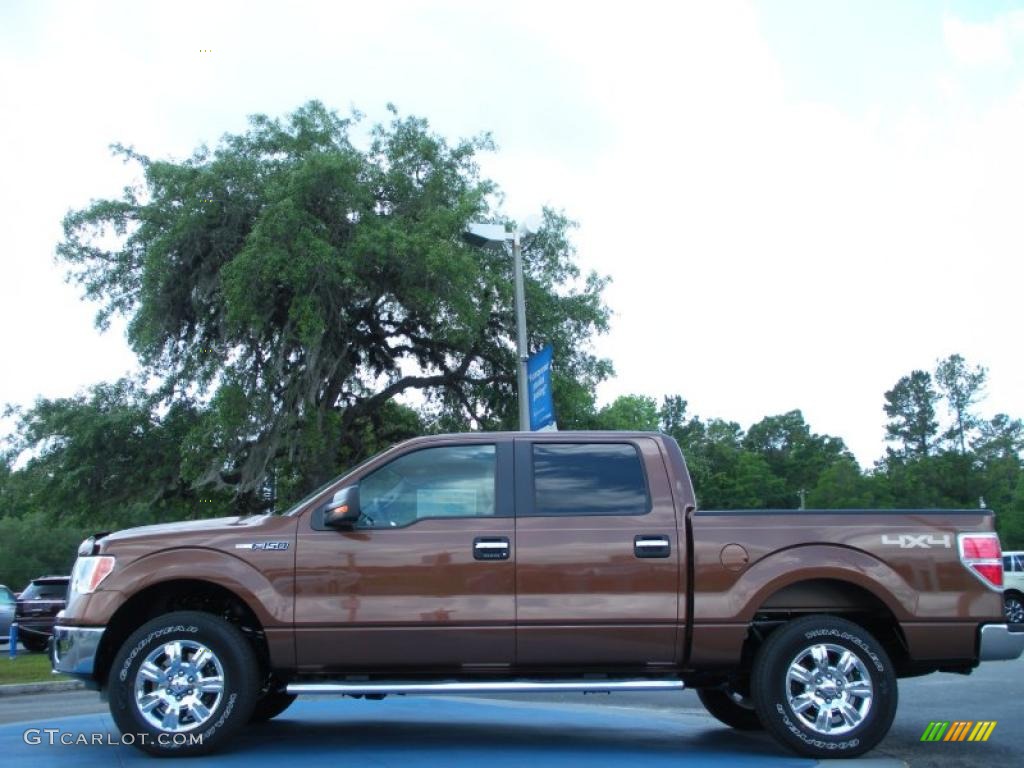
column 798, row 201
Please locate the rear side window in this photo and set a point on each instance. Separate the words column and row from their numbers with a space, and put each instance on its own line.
column 589, row 479
column 45, row 590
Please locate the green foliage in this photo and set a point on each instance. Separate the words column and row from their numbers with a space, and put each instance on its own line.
column 910, row 406
column 34, row 546
column 27, row 668
column 630, row 413
column 296, row 284
column 842, row 486
column 769, row 464
column 725, row 475
column 962, row 386
column 794, row 454
column 104, row 458
column 1010, row 519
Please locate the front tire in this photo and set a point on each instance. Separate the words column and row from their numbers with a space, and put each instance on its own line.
column 1013, row 608
column 824, row 686
column 731, row 708
column 183, row 684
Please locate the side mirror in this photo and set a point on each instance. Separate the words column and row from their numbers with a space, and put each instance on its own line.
column 343, row 510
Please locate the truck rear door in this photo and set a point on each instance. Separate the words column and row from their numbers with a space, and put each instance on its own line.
column 599, row 562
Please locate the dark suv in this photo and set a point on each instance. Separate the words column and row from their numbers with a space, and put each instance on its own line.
column 37, row 608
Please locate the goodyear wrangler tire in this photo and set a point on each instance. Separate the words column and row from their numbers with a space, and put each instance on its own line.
column 183, row 684
column 824, row 687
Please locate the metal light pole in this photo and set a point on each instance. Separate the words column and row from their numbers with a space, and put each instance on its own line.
column 524, row 355
column 491, row 235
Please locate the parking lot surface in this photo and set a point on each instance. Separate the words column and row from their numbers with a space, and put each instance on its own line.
column 434, row 732
column 570, row 729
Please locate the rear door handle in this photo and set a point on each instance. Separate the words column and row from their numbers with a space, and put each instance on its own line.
column 652, row 546
column 491, row 548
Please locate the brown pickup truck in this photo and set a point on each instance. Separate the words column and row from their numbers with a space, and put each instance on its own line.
column 485, row 563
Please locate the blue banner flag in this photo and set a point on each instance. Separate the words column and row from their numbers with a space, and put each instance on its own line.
column 542, row 409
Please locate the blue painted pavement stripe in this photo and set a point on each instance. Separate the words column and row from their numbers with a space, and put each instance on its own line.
column 432, row 731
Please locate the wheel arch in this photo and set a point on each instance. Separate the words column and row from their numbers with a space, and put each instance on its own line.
column 178, row 594
column 839, row 572
column 834, row 597
column 831, row 580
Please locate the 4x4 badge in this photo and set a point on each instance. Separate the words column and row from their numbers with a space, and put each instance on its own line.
column 914, row 541
column 273, row 545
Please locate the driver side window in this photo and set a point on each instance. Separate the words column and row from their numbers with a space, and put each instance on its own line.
column 448, row 481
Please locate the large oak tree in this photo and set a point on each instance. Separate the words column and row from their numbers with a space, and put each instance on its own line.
column 292, row 282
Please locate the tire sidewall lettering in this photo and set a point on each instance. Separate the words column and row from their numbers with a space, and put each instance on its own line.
column 141, row 645
column 850, row 638
column 797, row 731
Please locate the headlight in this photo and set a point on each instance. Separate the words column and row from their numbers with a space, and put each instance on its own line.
column 89, row 572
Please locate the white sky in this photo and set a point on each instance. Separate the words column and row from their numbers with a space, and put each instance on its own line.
column 798, row 202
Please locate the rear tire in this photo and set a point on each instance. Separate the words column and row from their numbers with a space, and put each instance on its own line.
column 183, row 684
column 1013, row 608
column 730, row 708
column 823, row 686
column 271, row 705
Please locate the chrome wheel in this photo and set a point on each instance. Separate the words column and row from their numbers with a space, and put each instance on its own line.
column 179, row 685
column 829, row 689
column 1013, row 607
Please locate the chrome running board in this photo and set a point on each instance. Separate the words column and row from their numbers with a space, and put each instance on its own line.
column 507, row 686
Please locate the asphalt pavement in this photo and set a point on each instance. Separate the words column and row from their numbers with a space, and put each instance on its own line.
column 647, row 728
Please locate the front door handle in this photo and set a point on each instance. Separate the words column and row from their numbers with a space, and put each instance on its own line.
column 652, row 546
column 491, row 548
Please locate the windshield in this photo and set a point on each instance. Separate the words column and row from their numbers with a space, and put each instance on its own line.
column 45, row 591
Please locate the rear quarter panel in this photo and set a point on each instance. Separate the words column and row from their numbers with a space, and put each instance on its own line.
column 937, row 602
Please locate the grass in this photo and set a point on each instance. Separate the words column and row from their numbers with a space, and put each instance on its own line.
column 26, row 668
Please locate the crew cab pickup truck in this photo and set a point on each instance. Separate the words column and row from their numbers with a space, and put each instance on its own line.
column 483, row 563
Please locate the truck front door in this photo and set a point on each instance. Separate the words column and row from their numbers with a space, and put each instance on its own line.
column 426, row 577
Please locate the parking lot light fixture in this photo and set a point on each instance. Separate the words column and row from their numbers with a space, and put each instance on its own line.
column 495, row 236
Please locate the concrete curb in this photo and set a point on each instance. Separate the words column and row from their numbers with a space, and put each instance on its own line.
column 55, row 686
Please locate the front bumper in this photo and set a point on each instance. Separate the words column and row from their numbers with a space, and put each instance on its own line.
column 73, row 649
column 1001, row 642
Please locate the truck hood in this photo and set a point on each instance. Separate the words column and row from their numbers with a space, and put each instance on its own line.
column 188, row 528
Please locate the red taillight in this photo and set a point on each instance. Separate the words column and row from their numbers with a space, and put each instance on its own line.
column 977, row 547
column 982, row 555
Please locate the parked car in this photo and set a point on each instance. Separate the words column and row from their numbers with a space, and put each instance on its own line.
column 533, row 562
column 37, row 608
column 7, row 601
column 1013, row 586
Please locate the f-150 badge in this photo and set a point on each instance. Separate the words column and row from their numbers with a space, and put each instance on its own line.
column 264, row 545
column 916, row 541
